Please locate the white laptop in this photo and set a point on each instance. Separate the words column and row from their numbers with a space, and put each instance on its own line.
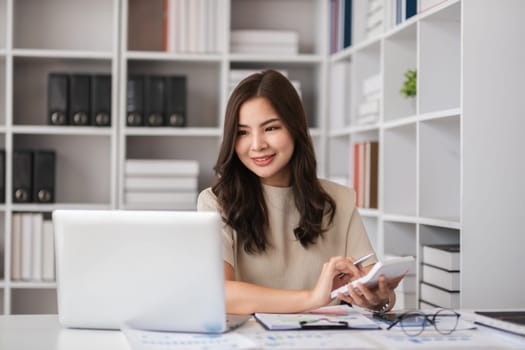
column 155, row 270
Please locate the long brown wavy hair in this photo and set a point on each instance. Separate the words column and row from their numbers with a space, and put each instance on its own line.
column 239, row 191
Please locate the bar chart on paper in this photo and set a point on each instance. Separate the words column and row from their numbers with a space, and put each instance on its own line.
column 306, row 340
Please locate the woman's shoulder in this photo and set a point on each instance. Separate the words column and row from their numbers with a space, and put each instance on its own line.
column 343, row 195
column 207, row 200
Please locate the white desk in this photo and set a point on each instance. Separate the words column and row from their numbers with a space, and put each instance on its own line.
column 43, row 332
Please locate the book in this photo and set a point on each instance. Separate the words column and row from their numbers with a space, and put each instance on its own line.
column 161, row 183
column 160, row 167
column 135, row 101
column 16, row 247
column 79, row 99
column 439, row 297
column 154, row 97
column 22, row 176
column 175, row 99
column 58, row 98
column 2, row 176
column 101, row 100
column 444, row 256
column 359, row 173
column 26, row 263
column 448, row 280
column 133, row 197
column 371, row 174
column 36, row 246
column 48, row 251
column 272, row 37
column 44, row 176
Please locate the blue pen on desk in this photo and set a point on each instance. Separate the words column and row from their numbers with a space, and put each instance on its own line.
column 357, row 262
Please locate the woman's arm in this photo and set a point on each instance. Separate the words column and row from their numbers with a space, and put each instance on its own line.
column 247, row 298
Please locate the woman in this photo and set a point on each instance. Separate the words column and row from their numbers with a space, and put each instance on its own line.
column 289, row 238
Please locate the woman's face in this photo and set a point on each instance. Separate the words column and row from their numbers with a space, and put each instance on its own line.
column 264, row 145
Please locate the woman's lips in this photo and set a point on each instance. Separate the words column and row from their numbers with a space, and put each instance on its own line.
column 263, row 160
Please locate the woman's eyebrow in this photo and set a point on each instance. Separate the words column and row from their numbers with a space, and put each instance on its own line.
column 263, row 123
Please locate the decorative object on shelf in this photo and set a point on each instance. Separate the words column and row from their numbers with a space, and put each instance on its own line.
column 409, row 88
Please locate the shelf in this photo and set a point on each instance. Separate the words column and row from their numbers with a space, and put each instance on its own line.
column 203, row 86
column 168, row 131
column 32, row 81
column 400, row 54
column 61, row 130
column 365, row 212
column 68, row 54
column 173, row 57
column 32, row 285
column 399, row 170
column 304, row 17
column 450, row 222
column 391, row 217
column 439, row 71
column 88, row 26
column 33, row 207
column 439, row 167
column 84, row 165
column 288, row 59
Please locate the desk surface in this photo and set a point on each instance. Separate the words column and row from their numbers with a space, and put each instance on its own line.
column 43, row 332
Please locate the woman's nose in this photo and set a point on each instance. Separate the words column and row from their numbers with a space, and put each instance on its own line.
column 258, row 142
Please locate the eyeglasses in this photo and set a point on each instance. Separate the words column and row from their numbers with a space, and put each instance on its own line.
column 413, row 323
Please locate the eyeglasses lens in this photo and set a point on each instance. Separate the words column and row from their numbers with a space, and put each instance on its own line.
column 413, row 323
column 445, row 321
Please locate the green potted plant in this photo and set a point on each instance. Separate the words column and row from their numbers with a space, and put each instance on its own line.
column 409, row 88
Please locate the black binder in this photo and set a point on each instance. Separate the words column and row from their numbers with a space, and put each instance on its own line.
column 176, row 101
column 44, row 176
column 58, row 99
column 135, row 101
column 79, row 99
column 101, row 100
column 154, row 100
column 22, row 176
column 2, row 176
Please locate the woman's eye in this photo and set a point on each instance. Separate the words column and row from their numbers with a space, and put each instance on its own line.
column 272, row 128
column 241, row 132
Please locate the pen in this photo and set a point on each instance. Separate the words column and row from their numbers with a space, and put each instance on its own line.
column 357, row 262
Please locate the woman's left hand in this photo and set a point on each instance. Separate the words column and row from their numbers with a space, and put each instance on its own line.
column 372, row 298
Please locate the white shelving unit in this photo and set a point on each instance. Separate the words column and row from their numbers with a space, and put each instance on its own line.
column 36, row 38
column 97, row 37
column 448, row 160
column 448, row 170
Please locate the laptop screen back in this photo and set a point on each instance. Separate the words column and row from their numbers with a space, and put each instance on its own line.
column 153, row 270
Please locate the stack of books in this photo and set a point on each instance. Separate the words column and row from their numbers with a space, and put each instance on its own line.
column 32, row 248
column 375, row 18
column 236, row 75
column 161, row 184
column 368, row 109
column 280, row 42
column 190, row 26
column 440, row 276
column 365, row 173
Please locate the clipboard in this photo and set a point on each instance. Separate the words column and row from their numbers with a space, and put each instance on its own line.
column 283, row 322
